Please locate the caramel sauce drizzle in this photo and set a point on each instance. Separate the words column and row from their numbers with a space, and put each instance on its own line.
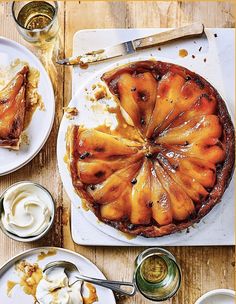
column 183, row 53
column 10, row 286
column 92, row 297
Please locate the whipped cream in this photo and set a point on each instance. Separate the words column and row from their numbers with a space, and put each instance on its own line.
column 27, row 210
column 54, row 288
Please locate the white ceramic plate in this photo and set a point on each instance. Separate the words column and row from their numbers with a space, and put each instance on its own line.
column 217, row 296
column 90, row 120
column 42, row 121
column 7, row 272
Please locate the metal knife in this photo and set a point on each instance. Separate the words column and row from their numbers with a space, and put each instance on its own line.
column 130, row 47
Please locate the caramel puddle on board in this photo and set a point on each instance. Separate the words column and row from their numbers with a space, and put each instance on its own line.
column 128, row 236
column 84, row 205
column 183, row 53
column 10, row 286
column 44, row 254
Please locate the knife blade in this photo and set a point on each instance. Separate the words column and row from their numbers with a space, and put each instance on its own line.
column 130, row 47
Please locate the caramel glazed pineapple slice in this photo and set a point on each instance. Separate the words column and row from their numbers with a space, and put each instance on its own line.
column 184, row 165
column 12, row 110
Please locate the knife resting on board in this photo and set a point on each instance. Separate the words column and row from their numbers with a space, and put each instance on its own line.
column 130, row 47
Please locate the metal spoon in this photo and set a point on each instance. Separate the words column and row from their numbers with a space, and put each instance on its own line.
column 117, row 286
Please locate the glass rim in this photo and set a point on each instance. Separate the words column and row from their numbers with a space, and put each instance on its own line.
column 35, row 30
column 171, row 257
column 151, row 251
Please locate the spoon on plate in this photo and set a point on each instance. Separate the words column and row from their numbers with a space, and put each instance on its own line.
column 73, row 274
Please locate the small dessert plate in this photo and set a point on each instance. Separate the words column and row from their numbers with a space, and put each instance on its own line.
column 42, row 121
column 217, row 296
column 12, row 293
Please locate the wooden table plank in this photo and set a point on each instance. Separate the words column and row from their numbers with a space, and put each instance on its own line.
column 42, row 168
column 204, row 268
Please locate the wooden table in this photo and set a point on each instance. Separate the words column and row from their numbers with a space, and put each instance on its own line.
column 204, row 268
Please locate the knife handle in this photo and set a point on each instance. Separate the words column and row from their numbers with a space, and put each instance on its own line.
column 191, row 30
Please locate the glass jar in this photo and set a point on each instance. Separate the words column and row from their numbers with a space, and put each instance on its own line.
column 157, row 275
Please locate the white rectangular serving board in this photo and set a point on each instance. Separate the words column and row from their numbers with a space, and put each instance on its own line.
column 218, row 69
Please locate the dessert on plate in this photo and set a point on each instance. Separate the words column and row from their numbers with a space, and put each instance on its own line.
column 19, row 99
column 12, row 110
column 179, row 167
column 51, row 286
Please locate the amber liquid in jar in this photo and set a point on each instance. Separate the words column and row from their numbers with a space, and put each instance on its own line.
column 36, row 15
column 38, row 20
column 154, row 269
column 157, row 275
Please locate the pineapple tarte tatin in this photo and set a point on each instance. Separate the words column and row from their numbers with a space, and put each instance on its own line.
column 179, row 168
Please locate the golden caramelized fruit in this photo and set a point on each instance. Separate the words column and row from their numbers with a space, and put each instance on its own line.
column 181, row 204
column 141, row 196
column 161, row 207
column 179, row 169
column 12, row 110
column 101, row 145
column 96, row 171
column 114, row 186
column 118, row 209
column 137, row 96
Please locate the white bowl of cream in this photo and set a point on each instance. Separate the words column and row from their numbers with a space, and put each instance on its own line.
column 27, row 211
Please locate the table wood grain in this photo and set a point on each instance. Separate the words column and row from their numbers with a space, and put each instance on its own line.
column 204, row 268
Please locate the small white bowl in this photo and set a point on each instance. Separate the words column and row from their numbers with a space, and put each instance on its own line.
column 217, row 296
column 30, row 238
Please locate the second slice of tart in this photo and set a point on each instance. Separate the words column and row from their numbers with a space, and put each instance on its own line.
column 12, row 110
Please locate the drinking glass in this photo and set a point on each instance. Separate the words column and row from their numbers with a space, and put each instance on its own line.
column 157, row 275
column 36, row 21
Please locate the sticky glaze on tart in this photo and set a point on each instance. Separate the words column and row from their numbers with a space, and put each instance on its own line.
column 180, row 167
column 12, row 110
